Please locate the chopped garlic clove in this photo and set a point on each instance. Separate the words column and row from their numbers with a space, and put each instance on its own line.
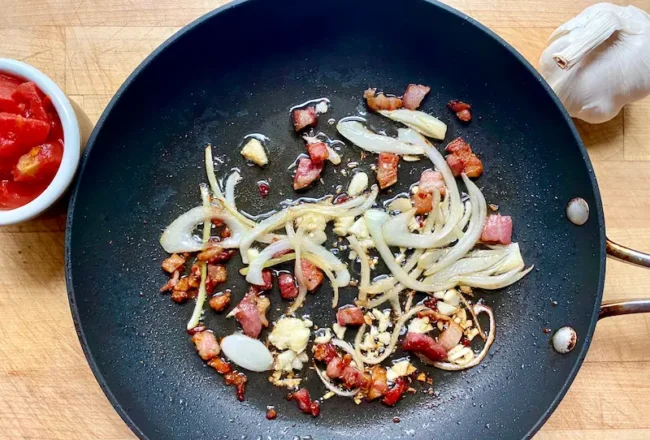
column 254, row 151
column 358, row 184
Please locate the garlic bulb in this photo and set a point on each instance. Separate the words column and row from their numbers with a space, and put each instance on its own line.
column 599, row 61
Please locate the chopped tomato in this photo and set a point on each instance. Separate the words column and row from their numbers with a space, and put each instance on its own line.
column 40, row 163
column 15, row 194
column 28, row 94
column 7, row 86
column 19, row 134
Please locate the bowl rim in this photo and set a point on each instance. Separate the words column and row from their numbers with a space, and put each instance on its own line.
column 71, row 143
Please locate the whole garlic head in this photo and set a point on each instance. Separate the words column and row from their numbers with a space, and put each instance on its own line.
column 599, row 61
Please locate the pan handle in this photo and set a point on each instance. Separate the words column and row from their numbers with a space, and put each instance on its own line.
column 626, row 255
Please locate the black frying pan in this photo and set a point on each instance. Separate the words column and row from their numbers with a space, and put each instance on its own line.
column 237, row 71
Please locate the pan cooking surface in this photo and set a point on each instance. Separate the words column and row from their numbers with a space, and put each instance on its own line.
column 238, row 72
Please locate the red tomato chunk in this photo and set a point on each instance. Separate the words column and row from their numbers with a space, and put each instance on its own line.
column 31, row 142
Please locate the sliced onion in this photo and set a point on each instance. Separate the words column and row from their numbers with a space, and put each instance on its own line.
column 468, row 265
column 246, row 352
column 333, row 388
column 474, row 230
column 355, row 206
column 254, row 275
column 448, row 366
column 231, row 182
column 272, row 262
column 365, row 267
column 388, row 350
column 375, row 219
column 179, row 235
column 332, row 262
column 348, row 349
column 422, row 122
column 297, row 268
column 361, row 136
column 494, row 282
column 200, row 297
column 209, row 169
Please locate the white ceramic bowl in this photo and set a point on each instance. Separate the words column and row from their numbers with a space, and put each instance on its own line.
column 71, row 144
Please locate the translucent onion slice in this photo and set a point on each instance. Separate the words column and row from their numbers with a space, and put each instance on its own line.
column 388, row 350
column 365, row 267
column 254, row 275
column 272, row 262
column 297, row 268
column 474, row 230
column 375, row 219
column 494, row 282
column 332, row 387
column 421, row 122
column 231, row 183
column 200, row 297
column 361, row 136
column 179, row 235
column 469, row 265
column 448, row 366
column 355, row 206
column 343, row 345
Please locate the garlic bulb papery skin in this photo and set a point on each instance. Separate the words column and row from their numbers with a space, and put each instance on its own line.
column 599, row 61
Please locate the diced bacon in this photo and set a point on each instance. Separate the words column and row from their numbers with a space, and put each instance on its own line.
column 312, row 275
column 197, row 329
column 380, row 101
column 336, row 366
column 462, row 159
column 180, row 296
column 354, row 378
column 394, row 394
column 414, row 95
column 220, row 302
column 425, row 346
column 458, row 146
column 387, row 169
column 458, row 106
column 306, row 173
column 431, row 180
column 350, row 316
column 173, row 263
column 340, row 368
column 225, row 233
column 216, row 254
column 378, row 383
column 461, row 109
column 305, row 404
column 194, row 276
column 318, row 152
column 173, row 281
column 423, row 202
column 288, row 288
column 324, row 352
column 267, row 277
column 239, row 381
column 251, row 313
column 206, row 345
column 497, row 229
column 451, row 336
column 304, row 118
column 216, row 275
column 220, row 365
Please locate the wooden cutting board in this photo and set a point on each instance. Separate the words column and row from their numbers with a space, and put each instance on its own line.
column 90, row 46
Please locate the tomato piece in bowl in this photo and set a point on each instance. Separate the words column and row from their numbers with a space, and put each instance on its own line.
column 8, row 85
column 16, row 194
column 40, row 163
column 32, row 101
column 19, row 134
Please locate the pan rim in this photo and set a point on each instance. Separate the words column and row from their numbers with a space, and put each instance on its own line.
column 234, row 4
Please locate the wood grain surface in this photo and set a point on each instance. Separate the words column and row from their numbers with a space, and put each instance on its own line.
column 89, row 47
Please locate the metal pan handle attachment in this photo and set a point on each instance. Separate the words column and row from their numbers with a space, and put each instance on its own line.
column 625, row 307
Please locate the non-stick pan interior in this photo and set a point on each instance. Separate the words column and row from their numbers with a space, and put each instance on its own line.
column 238, row 72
